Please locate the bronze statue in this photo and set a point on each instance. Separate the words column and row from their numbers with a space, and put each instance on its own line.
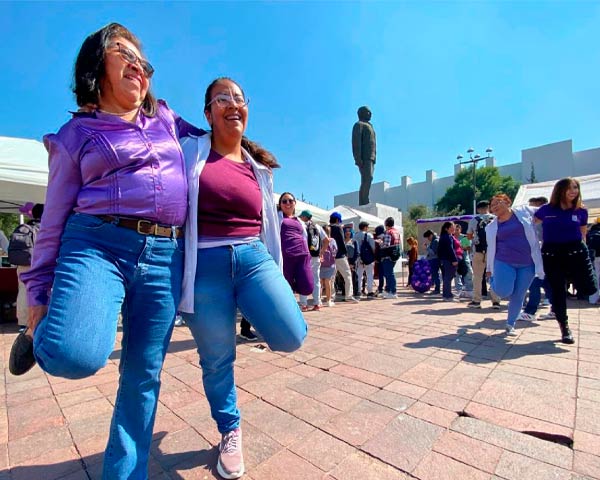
column 364, row 151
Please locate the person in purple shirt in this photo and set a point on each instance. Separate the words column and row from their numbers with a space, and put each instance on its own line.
column 110, row 241
column 564, row 252
column 294, row 248
column 232, row 258
column 513, row 254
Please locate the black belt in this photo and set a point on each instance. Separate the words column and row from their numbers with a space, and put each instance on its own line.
column 145, row 227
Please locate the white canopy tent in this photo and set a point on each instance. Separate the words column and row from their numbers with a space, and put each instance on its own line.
column 352, row 215
column 590, row 192
column 23, row 173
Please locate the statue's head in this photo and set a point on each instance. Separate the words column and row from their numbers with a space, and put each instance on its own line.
column 364, row 114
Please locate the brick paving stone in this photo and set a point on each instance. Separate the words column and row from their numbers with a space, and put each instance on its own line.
column 37, row 444
column 359, row 466
column 527, row 445
column 563, row 384
column 404, row 442
column 528, row 396
column 286, row 464
column 513, row 466
column 514, row 421
column 361, row 375
column 272, row 383
column 463, row 380
column 51, row 465
column 360, row 423
column 80, row 396
column 179, row 447
column 301, row 406
column 433, row 414
column 81, row 411
column 26, row 385
column 176, row 399
column 588, row 416
column 444, row 400
column 587, row 464
column 392, row 367
column 21, row 398
column 168, row 421
column 588, row 394
column 258, row 447
column 439, row 467
column 408, row 389
column 427, row 373
column 392, row 400
column 279, row 425
column 468, row 450
column 322, row 450
column 305, row 370
column 322, row 363
column 586, row 442
column 338, row 399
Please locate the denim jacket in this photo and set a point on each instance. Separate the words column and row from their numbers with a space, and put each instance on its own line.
column 196, row 151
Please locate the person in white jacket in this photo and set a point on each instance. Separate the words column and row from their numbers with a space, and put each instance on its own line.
column 232, row 258
column 513, row 256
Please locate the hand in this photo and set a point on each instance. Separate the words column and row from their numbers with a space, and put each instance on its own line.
column 454, row 264
column 36, row 313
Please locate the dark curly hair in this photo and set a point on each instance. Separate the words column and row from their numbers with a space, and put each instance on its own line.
column 258, row 153
column 90, row 68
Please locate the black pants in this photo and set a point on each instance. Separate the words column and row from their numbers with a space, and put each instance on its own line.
column 567, row 260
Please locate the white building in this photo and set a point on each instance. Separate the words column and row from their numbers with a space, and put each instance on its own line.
column 550, row 162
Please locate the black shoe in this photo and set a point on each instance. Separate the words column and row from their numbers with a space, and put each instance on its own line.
column 371, row 294
column 567, row 336
column 21, row 358
column 496, row 305
column 474, row 305
column 248, row 335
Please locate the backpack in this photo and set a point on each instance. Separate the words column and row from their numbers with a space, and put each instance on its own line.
column 481, row 245
column 329, row 254
column 367, row 256
column 20, row 246
column 314, row 239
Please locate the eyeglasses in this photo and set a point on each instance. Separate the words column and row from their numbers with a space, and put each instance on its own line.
column 130, row 57
column 224, row 100
column 288, row 200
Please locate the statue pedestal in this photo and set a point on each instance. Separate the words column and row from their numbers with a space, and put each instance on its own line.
column 383, row 211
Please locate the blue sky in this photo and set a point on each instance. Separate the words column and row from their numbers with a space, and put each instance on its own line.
column 438, row 76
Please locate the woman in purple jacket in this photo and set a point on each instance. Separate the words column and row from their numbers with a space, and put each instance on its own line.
column 110, row 241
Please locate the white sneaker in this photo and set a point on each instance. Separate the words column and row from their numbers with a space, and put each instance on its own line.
column 548, row 316
column 230, row 464
column 351, row 300
column 526, row 317
column 510, row 331
column 330, row 303
column 389, row 295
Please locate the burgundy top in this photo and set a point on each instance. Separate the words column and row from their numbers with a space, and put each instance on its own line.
column 293, row 241
column 229, row 199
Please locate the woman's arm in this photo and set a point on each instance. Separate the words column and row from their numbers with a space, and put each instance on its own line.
column 64, row 184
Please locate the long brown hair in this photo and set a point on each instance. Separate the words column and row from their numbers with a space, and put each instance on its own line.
column 258, row 153
column 560, row 190
column 90, row 67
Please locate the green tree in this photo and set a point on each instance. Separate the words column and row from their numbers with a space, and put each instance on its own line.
column 8, row 222
column 458, row 199
column 409, row 221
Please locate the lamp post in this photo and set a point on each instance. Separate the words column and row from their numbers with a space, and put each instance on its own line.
column 474, row 159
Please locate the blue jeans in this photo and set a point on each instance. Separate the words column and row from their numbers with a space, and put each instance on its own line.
column 448, row 272
column 388, row 273
column 512, row 281
column 434, row 264
column 103, row 269
column 245, row 277
column 535, row 295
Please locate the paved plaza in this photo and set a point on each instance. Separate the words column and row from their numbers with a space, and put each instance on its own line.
column 381, row 390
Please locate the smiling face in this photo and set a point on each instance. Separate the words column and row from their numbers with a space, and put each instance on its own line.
column 228, row 119
column 287, row 204
column 571, row 193
column 124, row 85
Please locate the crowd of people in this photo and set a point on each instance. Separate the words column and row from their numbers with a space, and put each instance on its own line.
column 147, row 216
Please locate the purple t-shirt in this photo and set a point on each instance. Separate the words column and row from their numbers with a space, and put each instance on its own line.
column 293, row 241
column 561, row 226
column 229, row 199
column 511, row 243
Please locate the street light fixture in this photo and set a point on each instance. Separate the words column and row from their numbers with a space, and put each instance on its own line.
column 474, row 159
